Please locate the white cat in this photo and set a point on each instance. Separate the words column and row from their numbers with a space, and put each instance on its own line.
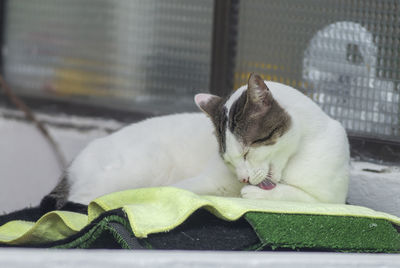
column 271, row 142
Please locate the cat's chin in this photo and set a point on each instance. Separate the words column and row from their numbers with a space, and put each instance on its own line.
column 267, row 184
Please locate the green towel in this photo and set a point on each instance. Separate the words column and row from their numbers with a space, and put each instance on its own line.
column 287, row 224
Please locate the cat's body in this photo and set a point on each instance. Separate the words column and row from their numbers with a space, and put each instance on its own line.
column 156, row 152
column 271, row 143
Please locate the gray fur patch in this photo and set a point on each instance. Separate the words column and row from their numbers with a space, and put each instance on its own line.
column 260, row 121
column 59, row 195
column 255, row 118
column 236, row 111
column 220, row 121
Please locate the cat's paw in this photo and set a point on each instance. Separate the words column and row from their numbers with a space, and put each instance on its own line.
column 253, row 192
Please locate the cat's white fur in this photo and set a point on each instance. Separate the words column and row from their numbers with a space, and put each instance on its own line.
column 309, row 162
column 155, row 152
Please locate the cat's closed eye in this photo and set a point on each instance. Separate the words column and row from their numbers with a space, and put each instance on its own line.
column 266, row 138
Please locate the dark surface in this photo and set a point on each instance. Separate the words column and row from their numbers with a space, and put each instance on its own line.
column 34, row 213
column 2, row 26
column 26, row 214
column 224, row 46
column 203, row 231
column 52, row 106
column 47, row 205
column 373, row 150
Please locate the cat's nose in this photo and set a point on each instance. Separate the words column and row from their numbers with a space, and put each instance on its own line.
column 245, row 180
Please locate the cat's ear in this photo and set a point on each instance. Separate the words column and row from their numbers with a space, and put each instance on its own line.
column 208, row 103
column 257, row 90
column 258, row 95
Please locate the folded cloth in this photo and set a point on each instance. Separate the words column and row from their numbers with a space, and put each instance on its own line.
column 53, row 226
column 153, row 212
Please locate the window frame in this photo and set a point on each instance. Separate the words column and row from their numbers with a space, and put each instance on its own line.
column 2, row 23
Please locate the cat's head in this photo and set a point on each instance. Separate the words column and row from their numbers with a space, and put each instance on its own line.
column 249, row 126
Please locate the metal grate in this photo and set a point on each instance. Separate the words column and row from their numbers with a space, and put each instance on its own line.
column 144, row 55
column 343, row 54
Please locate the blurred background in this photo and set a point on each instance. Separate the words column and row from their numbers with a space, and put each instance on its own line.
column 87, row 68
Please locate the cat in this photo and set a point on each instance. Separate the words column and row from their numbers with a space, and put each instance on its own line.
column 265, row 141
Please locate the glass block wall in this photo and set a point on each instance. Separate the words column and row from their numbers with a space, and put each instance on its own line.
column 344, row 54
column 142, row 55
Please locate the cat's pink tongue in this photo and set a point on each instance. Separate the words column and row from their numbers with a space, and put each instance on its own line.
column 266, row 184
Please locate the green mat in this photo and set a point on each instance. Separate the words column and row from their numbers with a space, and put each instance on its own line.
column 133, row 218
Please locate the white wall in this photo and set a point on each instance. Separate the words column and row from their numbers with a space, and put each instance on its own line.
column 28, row 169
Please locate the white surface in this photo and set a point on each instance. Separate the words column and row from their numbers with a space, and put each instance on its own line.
column 375, row 186
column 28, row 169
column 122, row 258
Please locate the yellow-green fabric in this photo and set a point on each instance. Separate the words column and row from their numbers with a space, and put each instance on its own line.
column 153, row 210
column 52, row 226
